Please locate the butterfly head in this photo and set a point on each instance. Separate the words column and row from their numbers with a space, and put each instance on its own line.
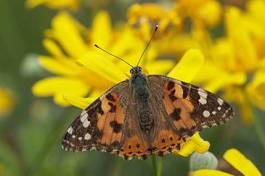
column 136, row 70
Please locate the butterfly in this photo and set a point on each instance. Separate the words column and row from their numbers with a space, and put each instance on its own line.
column 145, row 115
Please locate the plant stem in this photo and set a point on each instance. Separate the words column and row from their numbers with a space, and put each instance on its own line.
column 259, row 131
column 157, row 166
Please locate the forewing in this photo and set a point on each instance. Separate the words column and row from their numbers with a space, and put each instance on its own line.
column 188, row 107
column 100, row 126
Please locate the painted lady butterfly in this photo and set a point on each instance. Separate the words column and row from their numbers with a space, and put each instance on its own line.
column 145, row 115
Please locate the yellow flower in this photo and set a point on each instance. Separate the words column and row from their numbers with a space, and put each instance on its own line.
column 7, row 101
column 55, row 4
column 236, row 65
column 145, row 16
column 237, row 160
column 174, row 16
column 70, row 45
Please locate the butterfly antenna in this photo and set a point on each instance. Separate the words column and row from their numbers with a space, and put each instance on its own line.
column 146, row 47
column 112, row 55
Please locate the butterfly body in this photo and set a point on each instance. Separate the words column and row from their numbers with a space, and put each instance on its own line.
column 141, row 99
column 145, row 115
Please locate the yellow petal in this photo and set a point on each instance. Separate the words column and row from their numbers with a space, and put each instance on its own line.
column 101, row 29
column 103, row 66
column 256, row 89
column 207, row 172
column 58, row 98
column 195, row 143
column 66, row 30
column 62, row 66
column 53, row 48
column 159, row 67
column 80, row 102
column 188, row 66
column 52, row 85
column 256, row 9
column 210, row 13
column 241, row 163
column 243, row 46
column 225, row 79
column 224, row 55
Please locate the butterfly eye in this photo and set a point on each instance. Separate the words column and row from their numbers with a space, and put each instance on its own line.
column 136, row 70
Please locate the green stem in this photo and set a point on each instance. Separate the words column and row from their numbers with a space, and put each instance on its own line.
column 157, row 166
column 259, row 131
column 52, row 139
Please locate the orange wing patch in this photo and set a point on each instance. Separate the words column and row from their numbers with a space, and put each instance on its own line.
column 134, row 146
column 110, row 124
column 166, row 141
column 178, row 107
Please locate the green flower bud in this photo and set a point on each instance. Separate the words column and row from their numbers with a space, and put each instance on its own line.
column 206, row 160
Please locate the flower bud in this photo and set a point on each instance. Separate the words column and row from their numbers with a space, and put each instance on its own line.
column 203, row 161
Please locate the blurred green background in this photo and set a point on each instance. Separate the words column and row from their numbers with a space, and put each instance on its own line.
column 31, row 133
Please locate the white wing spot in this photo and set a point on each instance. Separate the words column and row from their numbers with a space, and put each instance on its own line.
column 203, row 96
column 80, row 138
column 220, row 101
column 202, row 93
column 86, row 123
column 83, row 116
column 214, row 112
column 202, row 100
column 87, row 136
column 219, row 108
column 93, row 148
column 206, row 113
column 70, row 130
column 214, row 124
column 73, row 136
column 205, row 126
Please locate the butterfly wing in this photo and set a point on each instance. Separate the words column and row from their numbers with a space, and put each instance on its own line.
column 186, row 108
column 107, row 125
column 100, row 125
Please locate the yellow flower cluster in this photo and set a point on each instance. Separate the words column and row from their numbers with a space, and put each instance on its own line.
column 235, row 55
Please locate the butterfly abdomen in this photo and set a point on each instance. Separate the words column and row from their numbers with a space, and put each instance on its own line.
column 141, row 97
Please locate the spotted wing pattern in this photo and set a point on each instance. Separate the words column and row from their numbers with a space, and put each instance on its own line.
column 101, row 125
column 190, row 108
